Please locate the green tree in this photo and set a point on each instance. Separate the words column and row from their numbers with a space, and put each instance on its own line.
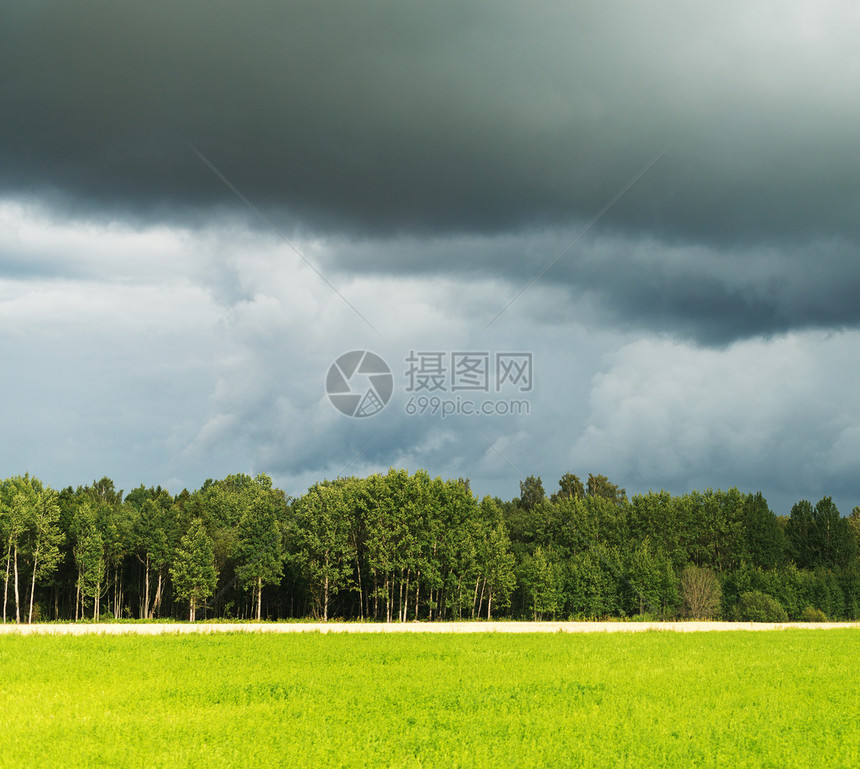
column 45, row 538
column 7, row 538
column 154, row 536
column 819, row 536
column 592, row 584
column 14, row 508
column 837, row 546
column 29, row 521
column 755, row 606
column 799, row 531
column 765, row 539
column 497, row 564
column 106, row 500
column 600, row 486
column 854, row 524
column 714, row 523
column 662, row 519
column 542, row 578
column 569, row 487
column 321, row 541
column 260, row 549
column 89, row 557
column 646, row 577
column 222, row 505
column 531, row 493
column 193, row 571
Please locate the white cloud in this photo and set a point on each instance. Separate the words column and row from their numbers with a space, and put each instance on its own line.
column 199, row 353
column 776, row 415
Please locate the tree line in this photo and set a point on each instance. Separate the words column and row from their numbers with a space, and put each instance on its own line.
column 402, row 547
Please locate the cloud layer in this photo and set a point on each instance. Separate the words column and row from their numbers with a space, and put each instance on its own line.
column 387, row 119
column 432, row 161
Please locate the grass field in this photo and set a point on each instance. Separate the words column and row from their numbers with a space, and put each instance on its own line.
column 777, row 699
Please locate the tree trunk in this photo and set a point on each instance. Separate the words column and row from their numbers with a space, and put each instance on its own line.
column 475, row 598
column 191, row 610
column 156, row 604
column 460, row 597
column 6, row 582
column 404, row 600
column 145, row 613
column 360, row 590
column 33, row 586
column 325, row 599
column 17, row 595
column 489, row 604
column 387, row 597
column 259, row 597
column 117, row 592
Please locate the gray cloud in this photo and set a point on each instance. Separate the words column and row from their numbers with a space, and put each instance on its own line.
column 387, row 120
column 396, row 117
column 157, row 375
column 431, row 159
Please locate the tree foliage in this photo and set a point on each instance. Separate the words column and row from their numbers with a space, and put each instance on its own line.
column 819, row 536
column 401, row 546
column 193, row 570
column 755, row 606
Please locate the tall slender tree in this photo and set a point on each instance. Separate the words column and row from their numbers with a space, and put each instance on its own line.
column 569, row 487
column 193, row 571
column 322, row 542
column 260, row 550
column 89, row 557
column 45, row 538
column 13, row 509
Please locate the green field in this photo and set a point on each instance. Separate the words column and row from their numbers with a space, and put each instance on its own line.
column 780, row 699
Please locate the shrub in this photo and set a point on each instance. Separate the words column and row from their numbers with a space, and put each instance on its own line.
column 811, row 614
column 701, row 593
column 756, row 606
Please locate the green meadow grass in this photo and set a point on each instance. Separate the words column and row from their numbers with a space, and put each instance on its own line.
column 777, row 699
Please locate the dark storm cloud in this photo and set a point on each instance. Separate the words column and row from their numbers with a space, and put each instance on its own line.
column 712, row 294
column 390, row 119
column 715, row 295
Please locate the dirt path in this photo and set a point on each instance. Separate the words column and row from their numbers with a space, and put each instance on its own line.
column 158, row 628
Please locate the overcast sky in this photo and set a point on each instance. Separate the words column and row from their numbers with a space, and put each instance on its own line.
column 203, row 205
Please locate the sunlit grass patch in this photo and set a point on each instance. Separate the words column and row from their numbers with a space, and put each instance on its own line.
column 668, row 699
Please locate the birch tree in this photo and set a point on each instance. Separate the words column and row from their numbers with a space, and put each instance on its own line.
column 260, row 549
column 322, row 542
column 193, row 571
column 45, row 538
column 89, row 558
column 13, row 525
